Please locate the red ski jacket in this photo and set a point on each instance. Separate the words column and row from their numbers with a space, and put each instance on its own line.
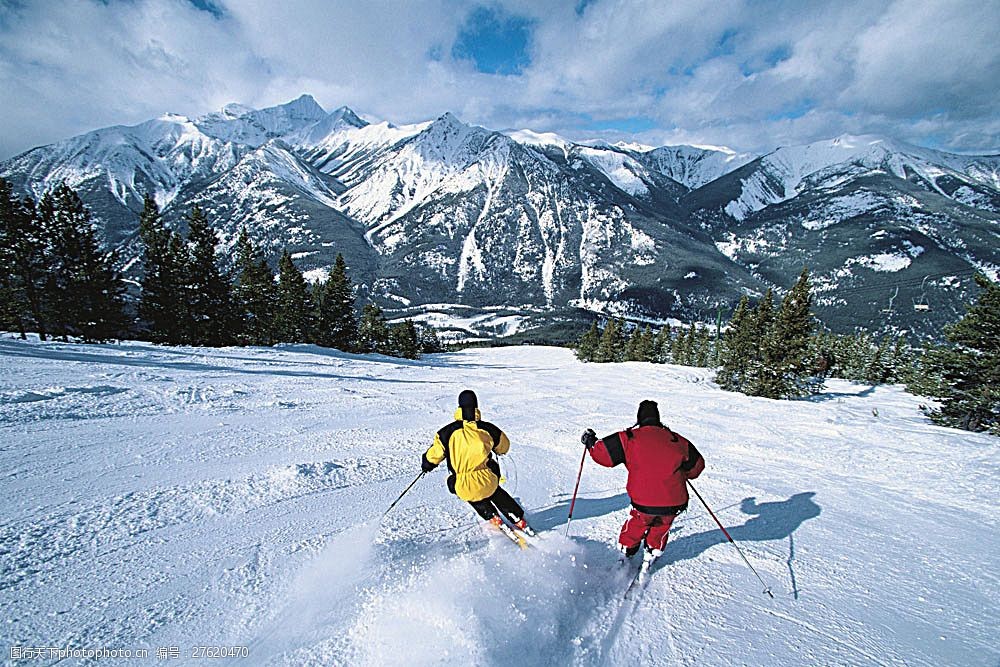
column 659, row 464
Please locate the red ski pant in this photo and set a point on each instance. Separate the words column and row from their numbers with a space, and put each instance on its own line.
column 652, row 527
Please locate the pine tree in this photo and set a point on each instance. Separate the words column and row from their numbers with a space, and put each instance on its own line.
column 789, row 347
column 586, row 347
column 429, row 342
column 737, row 347
column 677, row 347
column 404, row 341
column 611, row 347
column 763, row 372
column 83, row 284
column 661, row 346
column 900, row 359
column 255, row 294
column 740, row 347
column 293, row 313
column 632, row 344
column 646, row 347
column 162, row 307
column 336, row 324
column 702, row 348
column 877, row 369
column 373, row 333
column 208, row 291
column 970, row 365
column 23, row 263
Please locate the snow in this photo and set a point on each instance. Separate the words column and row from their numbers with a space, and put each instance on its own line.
column 455, row 322
column 838, row 209
column 316, row 275
column 694, row 166
column 620, row 169
column 157, row 496
column 783, row 173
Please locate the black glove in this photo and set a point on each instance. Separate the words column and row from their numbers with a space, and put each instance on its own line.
column 426, row 465
column 589, row 438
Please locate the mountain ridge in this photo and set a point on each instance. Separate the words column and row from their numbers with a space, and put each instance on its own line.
column 444, row 211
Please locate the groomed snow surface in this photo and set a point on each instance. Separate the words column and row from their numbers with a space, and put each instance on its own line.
column 157, row 497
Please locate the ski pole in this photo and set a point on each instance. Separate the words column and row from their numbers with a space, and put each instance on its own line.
column 767, row 589
column 575, row 489
column 422, row 473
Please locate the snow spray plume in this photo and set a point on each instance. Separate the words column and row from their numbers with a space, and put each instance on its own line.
column 323, row 595
column 767, row 589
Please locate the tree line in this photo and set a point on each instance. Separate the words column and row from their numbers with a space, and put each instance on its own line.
column 57, row 280
column 780, row 351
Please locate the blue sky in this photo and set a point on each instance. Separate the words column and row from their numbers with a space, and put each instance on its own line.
column 748, row 74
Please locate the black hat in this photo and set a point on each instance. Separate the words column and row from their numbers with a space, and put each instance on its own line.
column 648, row 414
column 468, row 402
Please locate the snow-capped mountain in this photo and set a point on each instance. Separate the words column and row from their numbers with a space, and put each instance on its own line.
column 242, row 125
column 446, row 212
column 789, row 171
column 868, row 215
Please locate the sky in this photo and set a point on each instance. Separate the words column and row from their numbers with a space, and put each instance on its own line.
column 748, row 74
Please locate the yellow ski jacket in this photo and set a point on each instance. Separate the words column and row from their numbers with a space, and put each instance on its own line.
column 468, row 448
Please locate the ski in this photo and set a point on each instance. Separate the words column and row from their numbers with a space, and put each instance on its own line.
column 510, row 533
column 641, row 577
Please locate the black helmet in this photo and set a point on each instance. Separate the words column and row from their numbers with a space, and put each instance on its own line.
column 648, row 415
column 468, row 402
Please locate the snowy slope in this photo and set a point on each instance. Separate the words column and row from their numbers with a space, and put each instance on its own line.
column 156, row 496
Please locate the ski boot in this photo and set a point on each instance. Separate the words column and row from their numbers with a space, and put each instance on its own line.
column 649, row 557
column 523, row 526
column 508, row 532
column 627, row 553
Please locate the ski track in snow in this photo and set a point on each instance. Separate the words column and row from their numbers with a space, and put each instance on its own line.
column 157, row 496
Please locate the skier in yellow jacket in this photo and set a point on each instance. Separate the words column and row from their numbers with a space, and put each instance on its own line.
column 467, row 445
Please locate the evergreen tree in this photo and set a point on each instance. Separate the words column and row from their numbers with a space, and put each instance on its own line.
column 737, row 348
column 611, row 347
column 899, row 361
column 373, row 334
column 429, row 342
column 661, row 346
column 404, row 341
column 255, row 294
column 646, row 346
column 677, row 344
column 162, row 305
column 336, row 325
column 762, row 376
column 688, row 351
column 83, row 284
column 208, row 291
column 789, row 345
column 970, row 365
column 586, row 347
column 877, row 367
column 702, row 348
column 632, row 344
column 23, row 263
column 293, row 312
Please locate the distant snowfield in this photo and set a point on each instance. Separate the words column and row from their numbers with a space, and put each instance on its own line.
column 156, row 497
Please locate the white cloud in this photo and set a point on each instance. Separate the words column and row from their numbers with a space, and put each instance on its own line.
column 745, row 74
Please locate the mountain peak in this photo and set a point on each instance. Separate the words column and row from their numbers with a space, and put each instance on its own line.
column 347, row 115
column 448, row 119
column 305, row 104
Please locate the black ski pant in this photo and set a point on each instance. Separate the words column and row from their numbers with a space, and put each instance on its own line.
column 499, row 501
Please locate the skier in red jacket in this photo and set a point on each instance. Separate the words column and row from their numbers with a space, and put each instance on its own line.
column 659, row 464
